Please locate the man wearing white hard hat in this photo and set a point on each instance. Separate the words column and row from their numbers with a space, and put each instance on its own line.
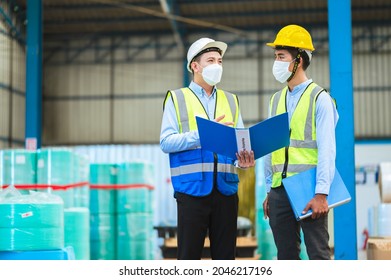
column 205, row 184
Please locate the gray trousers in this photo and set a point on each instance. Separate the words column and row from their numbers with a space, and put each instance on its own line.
column 286, row 230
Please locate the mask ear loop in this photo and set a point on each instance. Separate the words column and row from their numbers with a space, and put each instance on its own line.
column 297, row 61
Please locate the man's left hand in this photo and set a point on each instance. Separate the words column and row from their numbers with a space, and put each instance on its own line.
column 245, row 159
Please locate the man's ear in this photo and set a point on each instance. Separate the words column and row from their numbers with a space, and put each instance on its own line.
column 195, row 67
column 301, row 62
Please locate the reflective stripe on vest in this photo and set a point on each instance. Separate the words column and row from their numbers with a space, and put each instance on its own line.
column 226, row 103
column 302, row 151
column 202, row 167
column 193, row 171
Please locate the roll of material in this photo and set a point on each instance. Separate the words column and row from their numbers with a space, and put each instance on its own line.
column 28, row 215
column 385, row 182
column 30, row 222
column 36, row 209
column 384, row 220
column 25, row 239
column 77, row 231
column 379, row 220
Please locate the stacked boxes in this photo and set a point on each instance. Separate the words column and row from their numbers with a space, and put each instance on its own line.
column 103, row 208
column 134, row 209
column 56, row 173
column 121, row 211
column 66, row 174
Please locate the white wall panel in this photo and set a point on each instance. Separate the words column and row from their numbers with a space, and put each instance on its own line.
column 77, row 80
column 4, row 112
column 138, row 120
column 18, row 117
column 147, row 78
column 19, row 67
column 4, row 59
column 76, row 122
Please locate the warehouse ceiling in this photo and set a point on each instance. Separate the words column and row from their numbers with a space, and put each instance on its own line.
column 64, row 19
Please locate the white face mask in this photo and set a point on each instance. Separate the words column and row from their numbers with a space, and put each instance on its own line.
column 280, row 70
column 212, row 74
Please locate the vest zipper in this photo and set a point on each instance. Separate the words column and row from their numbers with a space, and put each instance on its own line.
column 215, row 170
column 283, row 175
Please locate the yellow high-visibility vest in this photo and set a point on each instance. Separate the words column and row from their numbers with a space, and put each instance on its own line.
column 196, row 171
column 302, row 152
column 188, row 106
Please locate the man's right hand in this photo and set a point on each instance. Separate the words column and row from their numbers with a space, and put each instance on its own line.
column 266, row 207
column 218, row 119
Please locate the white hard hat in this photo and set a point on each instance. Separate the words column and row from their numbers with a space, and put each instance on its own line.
column 203, row 44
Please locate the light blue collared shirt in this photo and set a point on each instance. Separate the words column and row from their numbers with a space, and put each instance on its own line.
column 171, row 140
column 326, row 121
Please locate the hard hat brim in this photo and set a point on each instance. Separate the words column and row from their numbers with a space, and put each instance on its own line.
column 273, row 45
column 216, row 44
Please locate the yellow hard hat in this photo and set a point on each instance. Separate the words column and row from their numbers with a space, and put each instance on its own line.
column 293, row 36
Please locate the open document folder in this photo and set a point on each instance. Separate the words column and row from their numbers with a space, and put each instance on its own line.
column 263, row 137
column 301, row 189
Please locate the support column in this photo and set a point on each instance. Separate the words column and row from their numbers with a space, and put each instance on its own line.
column 341, row 83
column 34, row 75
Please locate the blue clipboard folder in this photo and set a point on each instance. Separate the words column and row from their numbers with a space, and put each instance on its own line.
column 301, row 189
column 264, row 137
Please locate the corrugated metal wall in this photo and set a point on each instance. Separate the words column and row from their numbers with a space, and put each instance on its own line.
column 12, row 85
column 118, row 98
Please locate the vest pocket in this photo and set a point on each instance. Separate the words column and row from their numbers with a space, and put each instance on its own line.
column 191, row 166
column 232, row 178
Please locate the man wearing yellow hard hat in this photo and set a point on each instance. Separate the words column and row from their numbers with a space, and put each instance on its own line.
column 205, row 184
column 313, row 118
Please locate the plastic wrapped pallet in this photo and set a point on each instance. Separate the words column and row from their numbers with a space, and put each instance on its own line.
column 77, row 231
column 103, row 236
column 56, row 168
column 82, row 192
column 137, row 196
column 30, row 222
column 103, row 177
column 134, row 211
column 18, row 168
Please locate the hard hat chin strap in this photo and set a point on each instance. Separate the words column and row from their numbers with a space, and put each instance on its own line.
column 297, row 61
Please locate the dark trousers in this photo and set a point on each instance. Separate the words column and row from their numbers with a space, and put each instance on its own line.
column 216, row 214
column 286, row 230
